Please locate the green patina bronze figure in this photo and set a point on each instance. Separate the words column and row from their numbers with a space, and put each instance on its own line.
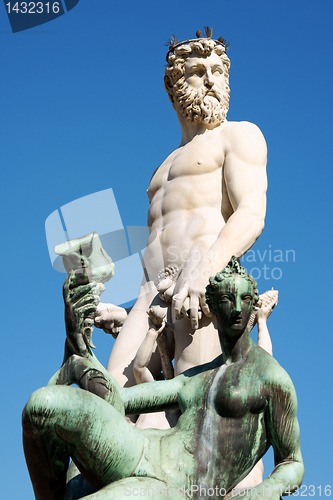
column 232, row 410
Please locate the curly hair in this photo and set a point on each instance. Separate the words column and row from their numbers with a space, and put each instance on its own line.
column 175, row 69
column 232, row 269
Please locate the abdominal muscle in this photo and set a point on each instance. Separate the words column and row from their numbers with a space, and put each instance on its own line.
column 173, row 237
column 183, row 216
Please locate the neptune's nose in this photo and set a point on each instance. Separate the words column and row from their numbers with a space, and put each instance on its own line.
column 209, row 82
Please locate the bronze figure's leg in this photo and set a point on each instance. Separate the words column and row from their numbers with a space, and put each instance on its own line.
column 61, row 422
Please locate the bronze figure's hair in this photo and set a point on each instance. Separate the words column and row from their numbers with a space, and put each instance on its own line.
column 232, row 269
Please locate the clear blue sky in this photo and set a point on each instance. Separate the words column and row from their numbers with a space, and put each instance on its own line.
column 83, row 109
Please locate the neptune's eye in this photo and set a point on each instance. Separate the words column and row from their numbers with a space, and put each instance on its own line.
column 197, row 72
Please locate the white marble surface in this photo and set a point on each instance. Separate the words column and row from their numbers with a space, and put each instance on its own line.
column 207, row 203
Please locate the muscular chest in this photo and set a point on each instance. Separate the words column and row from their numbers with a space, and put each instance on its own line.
column 201, row 157
column 200, row 160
